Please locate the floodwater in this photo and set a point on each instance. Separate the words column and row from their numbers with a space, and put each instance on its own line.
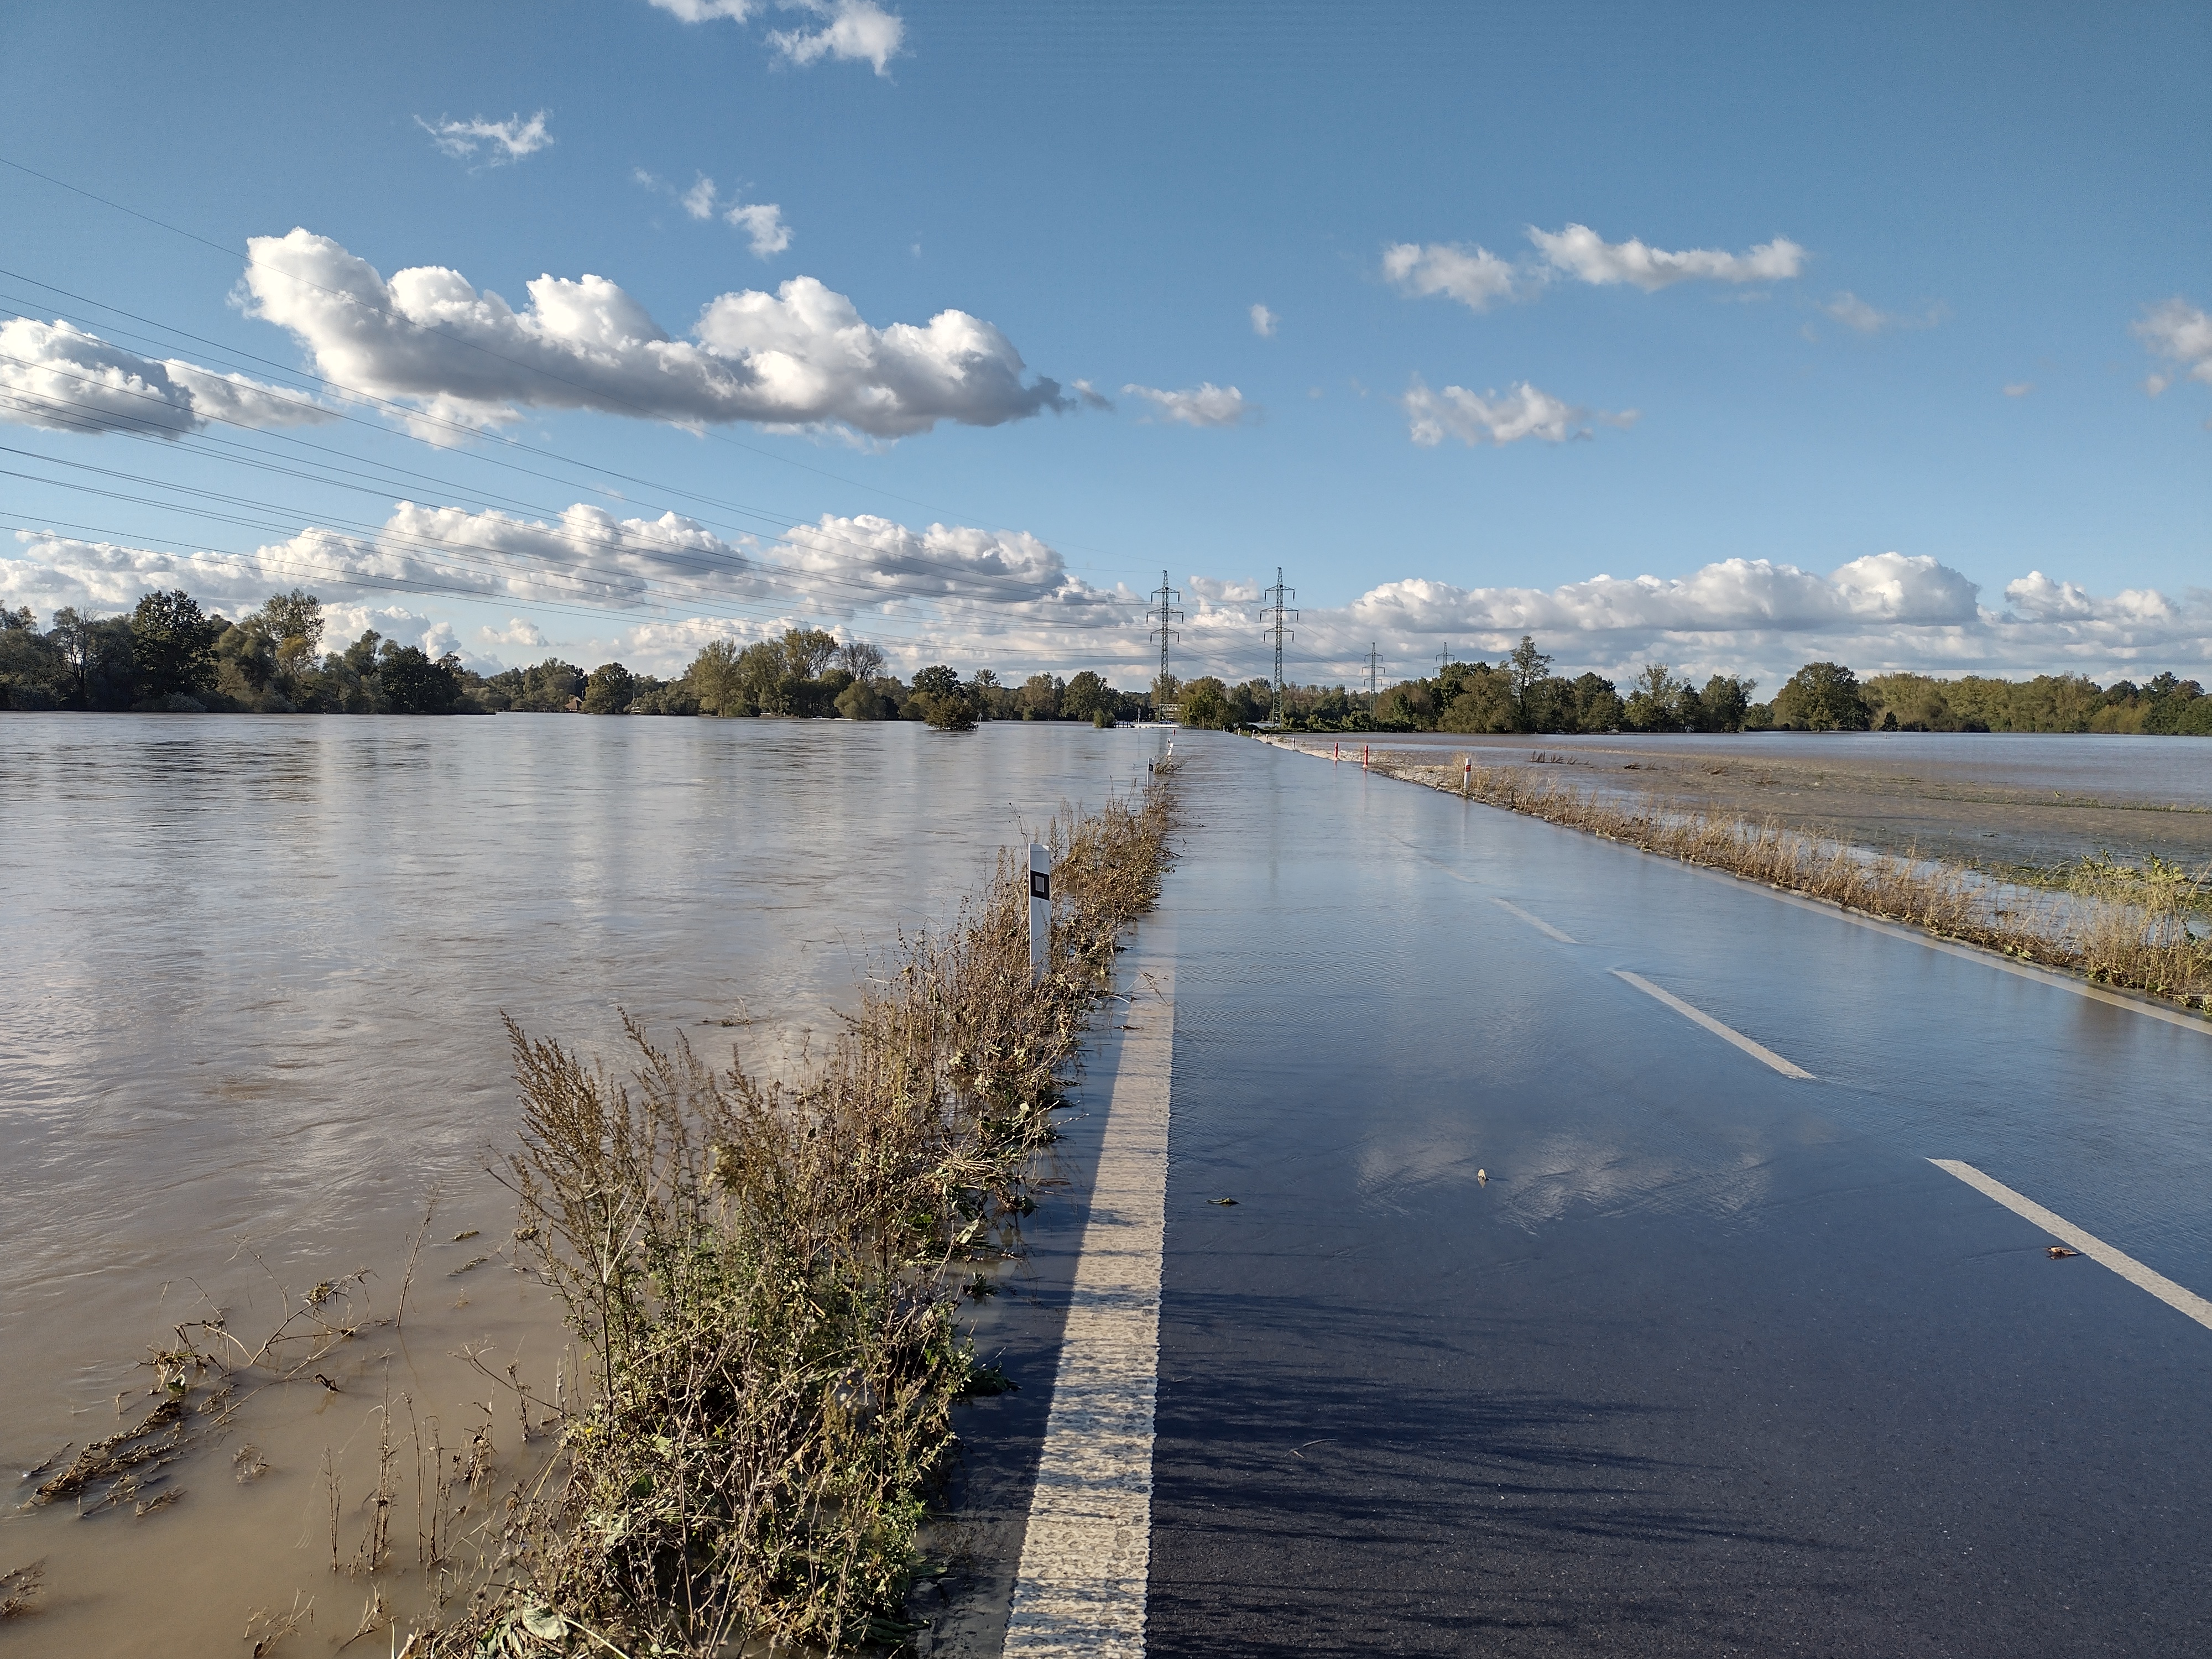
column 250, row 1005
column 1990, row 800
column 2163, row 771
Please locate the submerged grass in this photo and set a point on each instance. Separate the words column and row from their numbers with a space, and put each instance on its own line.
column 766, row 1277
column 2122, row 925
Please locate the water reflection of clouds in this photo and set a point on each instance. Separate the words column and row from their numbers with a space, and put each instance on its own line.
column 1537, row 1181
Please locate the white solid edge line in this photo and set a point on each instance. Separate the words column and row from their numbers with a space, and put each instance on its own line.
column 1086, row 1552
column 2174, row 1297
column 1536, row 922
column 1758, row 1051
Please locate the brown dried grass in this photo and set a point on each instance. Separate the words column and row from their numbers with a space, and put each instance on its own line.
column 766, row 1276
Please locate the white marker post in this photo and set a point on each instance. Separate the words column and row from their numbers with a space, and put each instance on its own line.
column 1039, row 911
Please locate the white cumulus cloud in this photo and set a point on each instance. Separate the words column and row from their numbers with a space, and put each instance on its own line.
column 857, row 30
column 1474, row 277
column 1263, row 322
column 501, row 141
column 699, row 200
column 762, row 221
column 800, row 357
column 991, row 581
column 1523, row 411
column 2180, row 333
column 58, row 377
column 1581, row 253
column 1204, row 404
column 519, row 631
column 762, row 224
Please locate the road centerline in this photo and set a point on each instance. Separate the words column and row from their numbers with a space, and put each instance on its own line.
column 2179, row 1298
column 1536, row 922
column 1758, row 1051
column 1086, row 1552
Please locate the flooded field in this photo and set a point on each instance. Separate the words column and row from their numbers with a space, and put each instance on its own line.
column 1997, row 799
column 252, row 986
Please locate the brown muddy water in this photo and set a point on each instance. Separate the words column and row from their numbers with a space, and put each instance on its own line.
column 250, row 1001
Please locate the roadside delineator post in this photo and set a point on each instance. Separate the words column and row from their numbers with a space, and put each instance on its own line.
column 1362, row 758
column 1467, row 777
column 1339, row 753
column 1040, row 910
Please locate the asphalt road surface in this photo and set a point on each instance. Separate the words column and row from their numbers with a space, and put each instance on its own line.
column 1549, row 1320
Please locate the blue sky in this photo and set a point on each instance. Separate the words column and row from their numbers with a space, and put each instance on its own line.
column 1893, row 401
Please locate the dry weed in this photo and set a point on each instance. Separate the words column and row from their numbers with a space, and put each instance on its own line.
column 766, row 1277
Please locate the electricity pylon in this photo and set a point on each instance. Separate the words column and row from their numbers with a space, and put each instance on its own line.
column 1165, row 613
column 1275, row 614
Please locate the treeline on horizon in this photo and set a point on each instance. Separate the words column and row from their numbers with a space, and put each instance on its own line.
column 168, row 654
column 1522, row 694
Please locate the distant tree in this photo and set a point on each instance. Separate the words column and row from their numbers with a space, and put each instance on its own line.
column 293, row 616
column 1655, row 700
column 1086, row 694
column 936, row 681
column 808, row 650
column 945, row 711
column 32, row 672
column 861, row 659
column 1206, row 702
column 413, row 683
column 1409, row 706
column 714, row 679
column 99, row 664
column 1476, row 697
column 173, row 643
column 1822, row 696
column 861, row 701
column 1526, row 670
column 610, row 689
column 654, row 696
column 1723, row 703
column 1039, row 698
column 1596, row 706
column 245, row 660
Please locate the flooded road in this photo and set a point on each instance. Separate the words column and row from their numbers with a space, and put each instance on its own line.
column 1555, row 1314
column 253, row 980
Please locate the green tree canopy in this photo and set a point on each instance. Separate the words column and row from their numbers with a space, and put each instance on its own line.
column 173, row 643
column 1822, row 696
column 609, row 689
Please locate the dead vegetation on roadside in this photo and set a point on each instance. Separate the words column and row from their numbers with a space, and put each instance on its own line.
column 2121, row 925
column 765, row 1276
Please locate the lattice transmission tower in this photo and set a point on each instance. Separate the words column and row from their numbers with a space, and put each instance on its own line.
column 1275, row 615
column 1164, row 615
